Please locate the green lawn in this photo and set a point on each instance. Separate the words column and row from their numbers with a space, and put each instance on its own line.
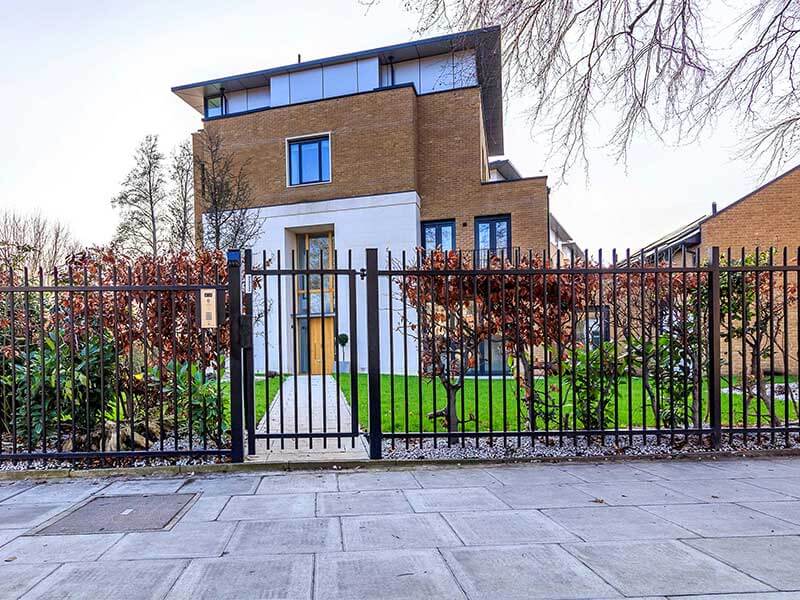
column 264, row 390
column 504, row 404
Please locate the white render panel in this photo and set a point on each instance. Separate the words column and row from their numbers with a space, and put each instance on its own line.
column 407, row 72
column 341, row 79
column 386, row 222
column 257, row 97
column 465, row 71
column 305, row 85
column 368, row 74
column 237, row 101
column 436, row 73
column 279, row 90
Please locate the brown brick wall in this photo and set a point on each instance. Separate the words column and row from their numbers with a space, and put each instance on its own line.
column 451, row 170
column 373, row 146
column 392, row 141
column 768, row 217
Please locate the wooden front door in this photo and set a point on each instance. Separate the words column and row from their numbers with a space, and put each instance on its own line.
column 317, row 349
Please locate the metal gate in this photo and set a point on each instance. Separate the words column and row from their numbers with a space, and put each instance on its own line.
column 299, row 339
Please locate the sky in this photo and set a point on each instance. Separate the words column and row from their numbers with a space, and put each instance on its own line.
column 85, row 81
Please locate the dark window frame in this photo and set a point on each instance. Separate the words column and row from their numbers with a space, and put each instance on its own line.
column 300, row 142
column 222, row 110
column 438, row 225
column 491, row 220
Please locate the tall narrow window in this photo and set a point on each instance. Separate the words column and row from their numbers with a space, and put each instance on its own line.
column 309, row 160
column 439, row 234
column 214, row 106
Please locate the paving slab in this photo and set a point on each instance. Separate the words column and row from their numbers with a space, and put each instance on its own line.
column 608, row 523
column 205, row 508
column 448, row 499
column 385, row 574
column 543, row 496
column 110, row 579
column 221, row 485
column 395, row 532
column 7, row 490
column 15, row 580
column 281, row 536
column 788, row 511
column 723, row 490
column 268, row 506
column 6, row 535
column 446, row 478
column 753, row 596
column 789, row 486
column 743, row 468
column 25, row 516
column 185, row 540
column 681, row 469
column 377, row 480
column 57, row 492
column 723, row 520
column 523, row 572
column 57, row 548
column 661, row 568
column 142, row 486
column 772, row 560
column 287, row 577
column 506, row 527
column 633, row 493
column 609, row 473
column 374, row 502
column 297, row 483
column 537, row 474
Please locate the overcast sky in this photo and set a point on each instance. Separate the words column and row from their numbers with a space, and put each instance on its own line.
column 84, row 81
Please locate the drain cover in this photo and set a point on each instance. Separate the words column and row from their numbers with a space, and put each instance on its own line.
column 119, row 514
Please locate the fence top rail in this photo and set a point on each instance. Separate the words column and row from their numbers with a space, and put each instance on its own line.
column 415, row 271
column 67, row 287
column 261, row 272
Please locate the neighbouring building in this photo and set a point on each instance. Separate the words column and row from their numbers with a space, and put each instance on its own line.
column 767, row 218
column 387, row 148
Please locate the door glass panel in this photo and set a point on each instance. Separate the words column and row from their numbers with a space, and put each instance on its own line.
column 501, row 235
column 484, row 236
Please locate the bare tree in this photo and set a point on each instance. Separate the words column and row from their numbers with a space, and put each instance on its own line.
column 599, row 72
column 226, row 195
column 143, row 226
column 180, row 203
column 31, row 240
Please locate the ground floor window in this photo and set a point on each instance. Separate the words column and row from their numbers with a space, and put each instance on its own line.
column 439, row 234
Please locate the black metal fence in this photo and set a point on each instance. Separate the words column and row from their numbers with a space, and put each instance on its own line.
column 525, row 351
column 110, row 360
column 425, row 350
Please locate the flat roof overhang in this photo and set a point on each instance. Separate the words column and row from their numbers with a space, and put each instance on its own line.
column 486, row 43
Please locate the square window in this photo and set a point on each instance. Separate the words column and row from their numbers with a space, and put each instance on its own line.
column 439, row 234
column 309, row 160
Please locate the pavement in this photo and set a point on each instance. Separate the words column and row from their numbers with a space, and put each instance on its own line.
column 726, row 529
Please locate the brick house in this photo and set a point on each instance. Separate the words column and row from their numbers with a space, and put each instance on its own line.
column 387, row 148
column 766, row 218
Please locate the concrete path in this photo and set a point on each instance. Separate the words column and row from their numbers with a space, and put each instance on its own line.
column 320, row 407
column 727, row 529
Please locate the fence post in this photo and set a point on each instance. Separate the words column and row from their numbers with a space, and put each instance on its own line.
column 714, row 350
column 235, row 295
column 373, row 356
column 248, row 372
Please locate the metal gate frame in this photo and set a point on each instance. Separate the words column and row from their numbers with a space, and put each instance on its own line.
column 242, row 352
